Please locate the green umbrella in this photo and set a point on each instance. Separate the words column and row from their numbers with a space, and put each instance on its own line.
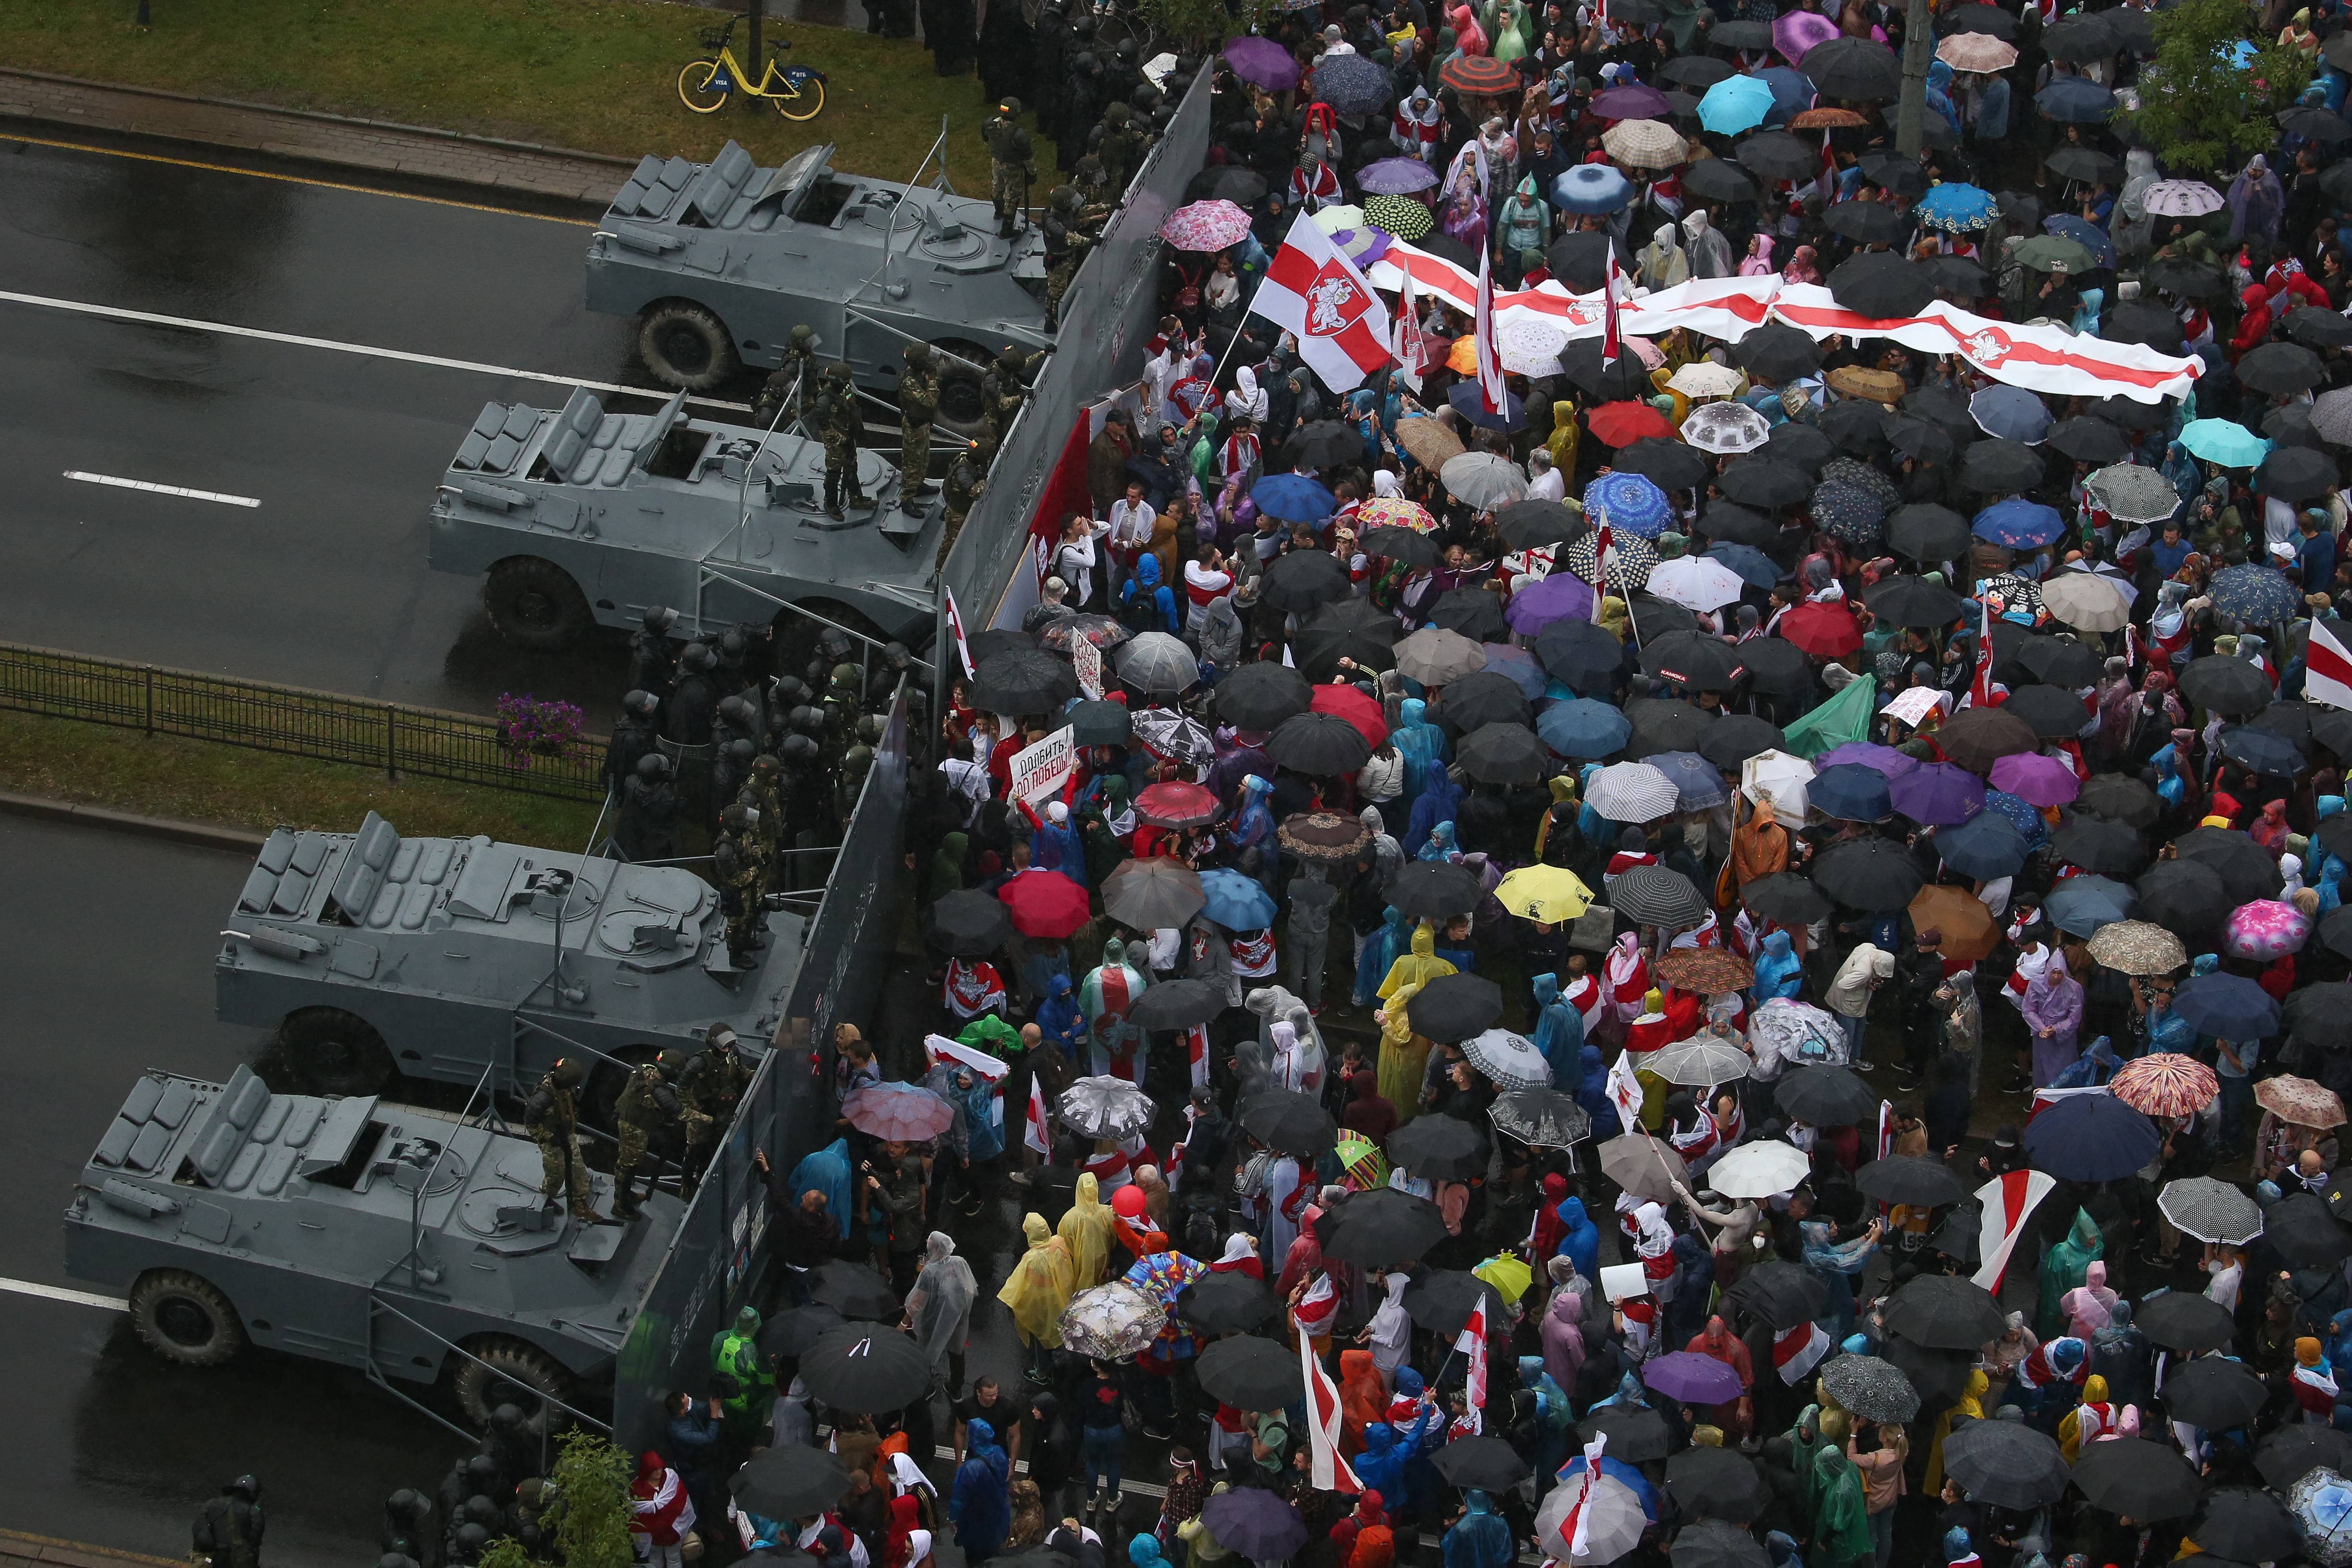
column 2050, row 253
column 1404, row 217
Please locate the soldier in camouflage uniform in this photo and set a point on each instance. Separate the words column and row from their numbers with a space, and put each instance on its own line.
column 1093, row 180
column 768, row 801
column 918, row 404
column 713, row 1083
column 855, row 762
column 1001, row 392
column 967, row 478
column 552, row 1116
column 1066, row 244
column 1120, row 149
column 840, row 422
column 796, row 380
column 735, row 857
column 1012, row 164
column 650, row 1108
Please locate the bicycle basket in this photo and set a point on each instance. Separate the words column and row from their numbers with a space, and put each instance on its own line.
column 715, row 38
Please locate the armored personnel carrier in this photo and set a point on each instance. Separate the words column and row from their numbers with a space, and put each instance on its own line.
column 574, row 518
column 359, row 1232
column 372, row 954
column 720, row 261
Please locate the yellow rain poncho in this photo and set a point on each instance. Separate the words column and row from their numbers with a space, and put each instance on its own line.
column 1040, row 1285
column 1417, row 968
column 1971, row 1405
column 1404, row 1055
column 1086, row 1231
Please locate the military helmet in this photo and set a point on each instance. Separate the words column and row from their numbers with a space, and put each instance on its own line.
column 735, row 817
column 919, row 355
column 803, row 336
column 479, row 1510
column 472, row 1540
column 741, row 752
column 659, row 618
column 869, row 729
column 836, row 372
column 698, row 657
column 896, row 655
column 737, row 709
column 764, row 766
column 672, row 1062
column 797, row 749
column 653, row 767
column 1128, row 52
column 1010, row 359
column 642, row 704
column 1009, row 108
column 733, row 645
column 567, row 1074
column 845, row 674
column 1065, row 199
column 1090, row 167
column 1117, row 114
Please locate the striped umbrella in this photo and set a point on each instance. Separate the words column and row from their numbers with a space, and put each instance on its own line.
column 2165, row 1084
column 1363, row 1165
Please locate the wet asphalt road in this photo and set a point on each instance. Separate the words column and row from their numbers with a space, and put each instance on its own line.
column 324, row 584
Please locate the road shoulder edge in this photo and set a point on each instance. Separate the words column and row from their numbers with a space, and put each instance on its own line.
column 202, row 835
column 18, row 1546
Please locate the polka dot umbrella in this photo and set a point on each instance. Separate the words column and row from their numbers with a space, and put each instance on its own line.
column 1628, row 570
column 1399, row 216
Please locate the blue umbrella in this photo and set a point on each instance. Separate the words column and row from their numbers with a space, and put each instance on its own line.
column 2019, row 524
column 2077, row 100
column 2012, row 414
column 2085, row 233
column 1235, row 902
column 2023, row 815
column 1754, row 566
column 2090, row 1138
column 1956, row 208
column 2261, row 751
column 1938, row 794
column 1519, row 667
column 1633, row 504
column 1792, row 93
column 2079, row 905
column 1986, row 845
column 2227, row 1007
column 1643, row 1489
column 1735, row 104
column 2256, row 595
column 1850, row 793
column 1471, row 406
column 1698, row 781
column 1352, row 84
column 1293, row 497
column 2224, row 442
column 1591, row 188
column 1254, row 1522
column 1584, row 728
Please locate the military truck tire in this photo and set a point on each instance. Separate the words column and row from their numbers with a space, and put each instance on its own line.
column 185, row 1319
column 518, row 1374
column 535, row 604
column 686, row 346
column 332, row 1052
column 961, row 413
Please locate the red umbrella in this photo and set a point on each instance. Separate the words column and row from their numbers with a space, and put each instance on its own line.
column 1623, row 423
column 1349, row 703
column 1044, row 902
column 1825, row 630
column 1477, row 76
column 1177, row 806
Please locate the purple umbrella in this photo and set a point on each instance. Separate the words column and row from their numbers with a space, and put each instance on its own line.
column 1395, row 177
column 1254, row 1522
column 1267, row 64
column 1792, row 34
column 1885, row 759
column 2037, row 779
column 1519, row 667
column 1562, row 596
column 1633, row 101
column 1691, row 1378
column 1938, row 794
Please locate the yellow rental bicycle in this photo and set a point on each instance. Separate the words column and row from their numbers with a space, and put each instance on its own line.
column 705, row 84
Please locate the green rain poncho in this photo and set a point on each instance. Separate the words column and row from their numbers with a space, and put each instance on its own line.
column 2064, row 1266
column 1805, row 1441
column 947, row 865
column 1841, row 1523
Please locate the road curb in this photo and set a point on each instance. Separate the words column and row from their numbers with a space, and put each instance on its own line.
column 17, row 1546
column 202, row 835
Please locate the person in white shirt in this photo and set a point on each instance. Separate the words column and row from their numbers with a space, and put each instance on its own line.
column 1132, row 520
column 1544, row 481
column 1074, row 557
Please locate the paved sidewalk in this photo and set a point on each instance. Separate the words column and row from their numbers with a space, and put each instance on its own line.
column 414, row 151
column 21, row 1550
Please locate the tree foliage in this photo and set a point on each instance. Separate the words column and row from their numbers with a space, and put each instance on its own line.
column 592, row 1479
column 1198, row 26
column 505, row 1552
column 2199, row 108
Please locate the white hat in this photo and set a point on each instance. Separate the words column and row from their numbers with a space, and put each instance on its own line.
column 1057, row 813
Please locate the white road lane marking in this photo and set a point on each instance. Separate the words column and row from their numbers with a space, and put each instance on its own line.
column 58, row 1294
column 369, row 351
column 151, row 487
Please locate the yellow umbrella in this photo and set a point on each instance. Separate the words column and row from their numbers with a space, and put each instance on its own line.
column 1508, row 1274
column 1464, row 356
column 1547, row 893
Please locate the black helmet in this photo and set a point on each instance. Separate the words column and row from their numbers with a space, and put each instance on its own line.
column 798, row 749
column 1009, row 107
column 698, row 657
column 567, row 1074
column 869, row 729
column 896, row 655
column 672, row 1062
column 246, row 1487
column 721, row 1037
column 653, row 767
column 643, row 703
column 732, row 646
column 735, row 817
column 790, row 691
column 741, row 752
column 807, row 719
column 763, row 765
column 1117, row 114
column 479, row 1510
column 471, row 1540
column 507, row 1419
column 659, row 618
column 737, row 709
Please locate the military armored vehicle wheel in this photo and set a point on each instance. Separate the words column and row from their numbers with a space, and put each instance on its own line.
column 535, row 604
column 185, row 1319
column 519, row 1374
column 962, row 410
column 686, row 346
column 331, row 1053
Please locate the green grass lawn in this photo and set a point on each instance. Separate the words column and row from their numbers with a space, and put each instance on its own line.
column 597, row 75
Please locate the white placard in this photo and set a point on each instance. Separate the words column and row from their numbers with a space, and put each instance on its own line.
column 1088, row 658
column 1038, row 772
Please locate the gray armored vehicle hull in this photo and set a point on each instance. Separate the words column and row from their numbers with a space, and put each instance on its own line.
column 576, row 517
column 372, row 954
column 370, row 1235
column 720, row 261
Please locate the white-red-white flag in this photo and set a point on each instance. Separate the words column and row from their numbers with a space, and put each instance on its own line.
column 1827, row 181
column 1493, row 395
column 1625, row 1094
column 2326, row 668
column 1980, row 687
column 1612, row 340
column 1575, row 1530
column 1885, row 1128
column 955, row 624
column 1604, row 555
column 2007, row 1200
column 1331, row 1471
column 1312, row 290
column 1196, row 1054
column 1796, row 1351
column 1033, row 1131
column 1411, row 350
column 1472, row 1343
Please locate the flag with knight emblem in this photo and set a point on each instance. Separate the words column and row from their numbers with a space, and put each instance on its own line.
column 1313, row 291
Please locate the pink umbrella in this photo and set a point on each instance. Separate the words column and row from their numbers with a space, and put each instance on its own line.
column 2036, row 780
column 1267, row 64
column 1561, row 596
column 1206, row 227
column 1799, row 31
column 2264, row 930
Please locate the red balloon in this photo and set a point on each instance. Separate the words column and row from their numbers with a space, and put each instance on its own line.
column 1127, row 1202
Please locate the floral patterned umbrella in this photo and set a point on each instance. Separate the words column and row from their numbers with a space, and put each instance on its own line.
column 1633, row 504
column 1113, row 1321
column 1850, row 512
column 1393, row 512
column 2264, row 930
column 2300, row 1101
column 2165, row 1084
column 1530, row 347
column 2020, row 814
column 1206, row 227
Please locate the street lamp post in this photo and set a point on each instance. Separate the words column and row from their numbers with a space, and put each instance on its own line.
column 752, row 59
column 1918, row 46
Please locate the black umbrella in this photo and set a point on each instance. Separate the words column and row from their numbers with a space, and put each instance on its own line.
column 1855, row 426
column 1231, row 183
column 1655, row 617
column 1442, row 1299
column 2052, row 711
column 1696, row 72
column 1455, row 1007
column 1692, row 660
column 1922, row 1184
column 1099, row 724
column 2061, row 661
column 1799, row 444
column 2117, row 796
column 1580, row 362
column 1717, row 1483
column 1480, row 698
column 1824, row 1096
column 1665, row 724
column 1913, row 601
column 853, row 1290
column 867, row 1368
column 1505, row 754
column 1778, row 155
column 1777, row 666
column 1350, row 629
column 1540, row 1118
column 1915, row 438
column 1716, row 179
column 2107, row 847
column 1636, row 1434
column 969, row 924
column 2079, row 39
column 1726, row 523
column 1301, row 580
column 1740, row 35
column 1878, row 284
column 1892, row 172
column 2281, row 368
column 1924, row 531
column 1440, row 1148
column 1377, row 1228
column 1781, row 1295
column 789, row 1481
column 1260, row 696
column 2133, row 1476
column 2304, row 1233
column 1580, row 261
column 2214, row 1393
column 1323, row 445
column 1436, row 891
column 1025, row 681
column 1873, row 875
column 2322, row 1014
column 1856, row 70
column 1529, row 525
column 2087, row 440
column 2261, row 751
column 2291, row 719
column 1786, row 896
column 1225, row 1304
column 2243, row 1524
column 1319, row 745
column 1765, row 482
column 1866, row 222
column 1473, row 612
column 789, row 1332
column 1482, row 1463
column 2183, row 1321
column 1392, row 543
column 1669, row 464
column 1287, row 1120
column 2319, row 329
column 2088, row 164
column 1177, row 1004
column 1581, row 654
column 1776, row 352
column 2137, row 321
column 1712, row 1544
column 1995, row 466
column 2247, row 870
column 2297, row 473
column 1249, row 1373
column 2006, row 1464
column 1940, row 1376
column 1958, row 275
column 2184, row 897
column 1735, row 737
column 2290, row 1453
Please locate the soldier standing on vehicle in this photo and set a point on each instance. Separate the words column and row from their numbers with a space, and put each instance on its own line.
column 634, row 735
column 713, row 1083
column 686, row 735
column 1013, row 166
column 1093, row 181
column 646, row 828
column 918, row 404
column 793, row 383
column 967, row 478
column 840, row 422
column 229, row 1531
column 650, row 1107
column 552, row 1116
column 735, row 859
column 653, row 666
